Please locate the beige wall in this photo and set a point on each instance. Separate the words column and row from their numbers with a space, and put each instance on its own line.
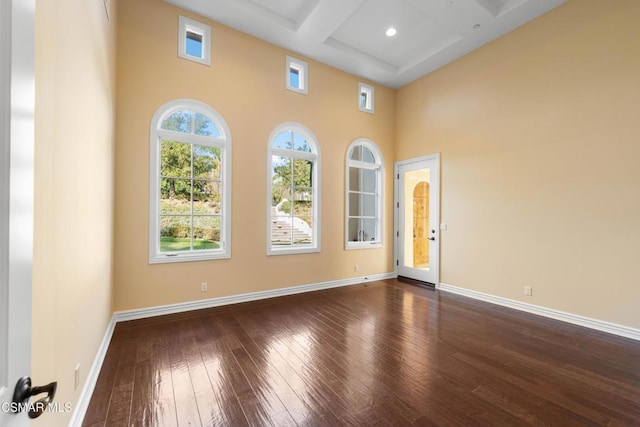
column 245, row 83
column 539, row 134
column 72, row 271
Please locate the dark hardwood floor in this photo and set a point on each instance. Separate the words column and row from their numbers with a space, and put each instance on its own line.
column 384, row 353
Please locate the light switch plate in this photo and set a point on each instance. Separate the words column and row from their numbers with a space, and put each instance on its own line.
column 443, row 227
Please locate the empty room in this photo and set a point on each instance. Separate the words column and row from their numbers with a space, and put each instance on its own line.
column 319, row 212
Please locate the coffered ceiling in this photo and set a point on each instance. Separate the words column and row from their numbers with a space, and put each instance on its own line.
column 350, row 34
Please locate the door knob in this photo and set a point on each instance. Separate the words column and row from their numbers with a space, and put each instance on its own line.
column 24, row 391
column 432, row 238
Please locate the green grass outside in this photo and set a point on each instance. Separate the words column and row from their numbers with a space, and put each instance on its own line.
column 169, row 244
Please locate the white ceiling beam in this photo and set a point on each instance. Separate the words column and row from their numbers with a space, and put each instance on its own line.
column 312, row 31
column 311, row 7
column 326, row 18
column 264, row 13
column 370, row 60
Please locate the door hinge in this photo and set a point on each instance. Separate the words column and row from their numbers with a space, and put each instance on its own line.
column 397, row 234
column 397, row 262
column 398, row 205
column 398, row 176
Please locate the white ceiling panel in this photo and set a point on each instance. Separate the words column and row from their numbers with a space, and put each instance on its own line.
column 350, row 34
column 293, row 10
column 499, row 7
column 417, row 34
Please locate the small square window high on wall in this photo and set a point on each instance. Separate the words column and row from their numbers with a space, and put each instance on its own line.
column 366, row 98
column 194, row 41
column 296, row 75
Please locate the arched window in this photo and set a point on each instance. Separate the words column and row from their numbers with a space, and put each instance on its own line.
column 293, row 191
column 363, row 223
column 190, row 182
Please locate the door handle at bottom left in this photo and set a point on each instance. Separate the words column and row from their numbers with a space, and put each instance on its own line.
column 24, row 391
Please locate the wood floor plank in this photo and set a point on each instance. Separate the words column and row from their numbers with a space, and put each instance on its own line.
column 142, row 398
column 164, row 404
column 383, row 353
column 98, row 408
column 316, row 368
column 227, row 383
column 185, row 400
column 120, row 406
column 264, row 384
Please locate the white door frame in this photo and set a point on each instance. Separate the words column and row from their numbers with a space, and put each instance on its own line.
column 434, row 212
column 17, row 106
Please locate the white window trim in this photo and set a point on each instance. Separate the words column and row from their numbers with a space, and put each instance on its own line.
column 303, row 74
column 371, row 98
column 185, row 24
column 379, row 165
column 315, row 155
column 156, row 134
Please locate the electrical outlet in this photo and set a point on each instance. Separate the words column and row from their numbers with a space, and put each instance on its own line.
column 356, row 267
column 528, row 291
column 204, row 287
column 76, row 377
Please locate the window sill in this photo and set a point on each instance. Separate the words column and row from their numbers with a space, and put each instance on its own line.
column 203, row 61
column 302, row 91
column 292, row 251
column 363, row 245
column 187, row 257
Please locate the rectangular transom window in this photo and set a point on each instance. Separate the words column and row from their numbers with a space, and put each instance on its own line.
column 366, row 98
column 194, row 40
column 296, row 75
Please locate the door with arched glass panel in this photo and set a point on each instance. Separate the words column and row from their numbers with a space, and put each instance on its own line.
column 417, row 218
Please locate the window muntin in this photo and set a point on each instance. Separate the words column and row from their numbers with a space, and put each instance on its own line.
column 293, row 191
column 186, row 121
column 296, row 75
column 363, row 227
column 366, row 98
column 194, row 40
column 190, row 181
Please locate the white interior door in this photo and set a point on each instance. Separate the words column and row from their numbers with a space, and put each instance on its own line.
column 418, row 219
column 16, row 198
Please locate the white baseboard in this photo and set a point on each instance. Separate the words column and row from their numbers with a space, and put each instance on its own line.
column 612, row 328
column 122, row 316
column 80, row 409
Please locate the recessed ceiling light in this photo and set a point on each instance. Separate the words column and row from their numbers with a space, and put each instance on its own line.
column 391, row 32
